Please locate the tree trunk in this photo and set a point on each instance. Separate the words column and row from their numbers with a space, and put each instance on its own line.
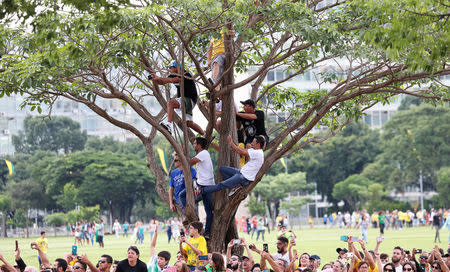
column 26, row 224
column 4, row 232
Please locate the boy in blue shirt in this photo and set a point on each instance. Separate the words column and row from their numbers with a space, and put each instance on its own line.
column 177, row 185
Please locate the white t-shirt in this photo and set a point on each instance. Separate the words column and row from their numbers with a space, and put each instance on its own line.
column 251, row 168
column 219, row 106
column 205, row 175
column 285, row 257
column 398, row 268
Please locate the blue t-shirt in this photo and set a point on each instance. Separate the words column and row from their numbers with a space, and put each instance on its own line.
column 177, row 181
column 125, row 226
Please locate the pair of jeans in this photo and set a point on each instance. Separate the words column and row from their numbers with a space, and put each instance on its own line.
column 364, row 234
column 207, row 203
column 233, row 178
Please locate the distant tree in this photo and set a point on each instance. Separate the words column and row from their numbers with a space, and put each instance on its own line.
column 338, row 158
column 59, row 134
column 255, row 206
column 55, row 220
column 69, row 198
column 5, row 206
column 26, row 195
column 443, row 187
column 353, row 191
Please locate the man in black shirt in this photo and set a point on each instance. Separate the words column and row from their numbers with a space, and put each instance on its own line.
column 252, row 120
column 132, row 263
column 437, row 225
column 190, row 96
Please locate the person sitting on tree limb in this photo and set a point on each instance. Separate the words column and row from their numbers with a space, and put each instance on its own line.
column 235, row 178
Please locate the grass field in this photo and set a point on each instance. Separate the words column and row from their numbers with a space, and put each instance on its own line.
column 320, row 241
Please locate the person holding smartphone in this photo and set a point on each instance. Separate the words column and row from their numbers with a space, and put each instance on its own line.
column 195, row 246
column 43, row 245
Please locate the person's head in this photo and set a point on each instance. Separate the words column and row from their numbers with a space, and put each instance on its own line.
column 163, row 258
column 304, row 260
column 79, row 266
column 105, row 262
column 132, row 255
column 282, row 244
column 173, row 67
column 182, row 267
column 30, row 269
column 200, row 144
column 115, row 266
column 397, row 254
column 342, row 253
column 389, row 267
column 43, row 234
column 256, row 268
column 436, row 266
column 217, row 261
column 60, row 265
column 195, row 229
column 180, row 257
column 384, row 258
column 177, row 164
column 258, row 142
column 338, row 266
column 423, row 259
column 246, row 263
column 282, row 263
column 326, row 266
column 249, row 106
column 363, row 266
column 408, row 267
column 314, row 261
column 235, row 262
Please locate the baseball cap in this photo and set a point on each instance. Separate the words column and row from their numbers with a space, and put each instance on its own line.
column 338, row 250
column 173, row 64
column 245, row 257
column 249, row 102
column 314, row 257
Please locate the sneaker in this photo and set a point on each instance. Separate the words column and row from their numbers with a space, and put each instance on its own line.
column 166, row 127
column 234, row 190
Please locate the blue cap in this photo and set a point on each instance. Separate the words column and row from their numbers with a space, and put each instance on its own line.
column 173, row 64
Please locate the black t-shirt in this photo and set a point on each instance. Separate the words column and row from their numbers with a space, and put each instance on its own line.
column 124, row 266
column 436, row 220
column 255, row 127
column 190, row 90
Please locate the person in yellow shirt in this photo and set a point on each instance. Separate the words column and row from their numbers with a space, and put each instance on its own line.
column 216, row 57
column 43, row 244
column 195, row 246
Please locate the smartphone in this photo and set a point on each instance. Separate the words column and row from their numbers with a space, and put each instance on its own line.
column 418, row 250
column 380, row 239
column 203, row 257
column 74, row 250
column 17, row 245
column 344, row 238
column 266, row 247
column 407, row 252
column 252, row 246
column 32, row 246
column 181, row 232
column 349, row 255
column 236, row 241
column 354, row 238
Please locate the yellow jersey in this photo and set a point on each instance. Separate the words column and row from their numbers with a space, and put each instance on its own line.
column 200, row 244
column 43, row 244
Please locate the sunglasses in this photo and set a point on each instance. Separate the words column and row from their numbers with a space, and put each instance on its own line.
column 389, row 270
column 435, row 267
column 176, row 160
column 233, row 259
column 423, row 257
column 407, row 269
column 101, row 261
column 76, row 267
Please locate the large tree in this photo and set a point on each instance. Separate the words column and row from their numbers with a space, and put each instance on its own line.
column 89, row 51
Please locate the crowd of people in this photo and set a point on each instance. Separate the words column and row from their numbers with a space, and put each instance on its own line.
column 241, row 256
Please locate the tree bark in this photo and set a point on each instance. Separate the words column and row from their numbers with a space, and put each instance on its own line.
column 4, row 232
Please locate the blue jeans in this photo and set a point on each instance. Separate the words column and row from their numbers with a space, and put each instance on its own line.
column 207, row 203
column 233, row 178
column 364, row 234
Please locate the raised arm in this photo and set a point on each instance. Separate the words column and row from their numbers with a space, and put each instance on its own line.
column 153, row 243
column 438, row 256
column 249, row 252
column 237, row 149
column 367, row 255
column 42, row 255
column 92, row 267
column 8, row 265
column 20, row 263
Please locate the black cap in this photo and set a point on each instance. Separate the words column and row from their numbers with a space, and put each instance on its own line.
column 249, row 102
column 245, row 257
column 338, row 250
column 314, row 257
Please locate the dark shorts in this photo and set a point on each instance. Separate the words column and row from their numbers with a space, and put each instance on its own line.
column 100, row 238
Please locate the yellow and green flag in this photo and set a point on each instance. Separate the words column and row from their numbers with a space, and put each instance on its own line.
column 10, row 167
column 162, row 158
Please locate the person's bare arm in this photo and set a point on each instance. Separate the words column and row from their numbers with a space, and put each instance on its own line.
column 209, row 55
column 92, row 267
column 438, row 256
column 43, row 257
column 237, row 149
column 7, row 264
column 292, row 265
column 272, row 263
column 378, row 261
column 377, row 246
column 182, row 251
column 164, row 80
column 196, row 250
column 367, row 255
column 249, row 252
column 249, row 116
column 194, row 161
column 229, row 246
column 153, row 243
column 172, row 207
column 291, row 245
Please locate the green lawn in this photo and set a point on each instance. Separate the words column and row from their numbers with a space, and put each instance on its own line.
column 314, row 241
